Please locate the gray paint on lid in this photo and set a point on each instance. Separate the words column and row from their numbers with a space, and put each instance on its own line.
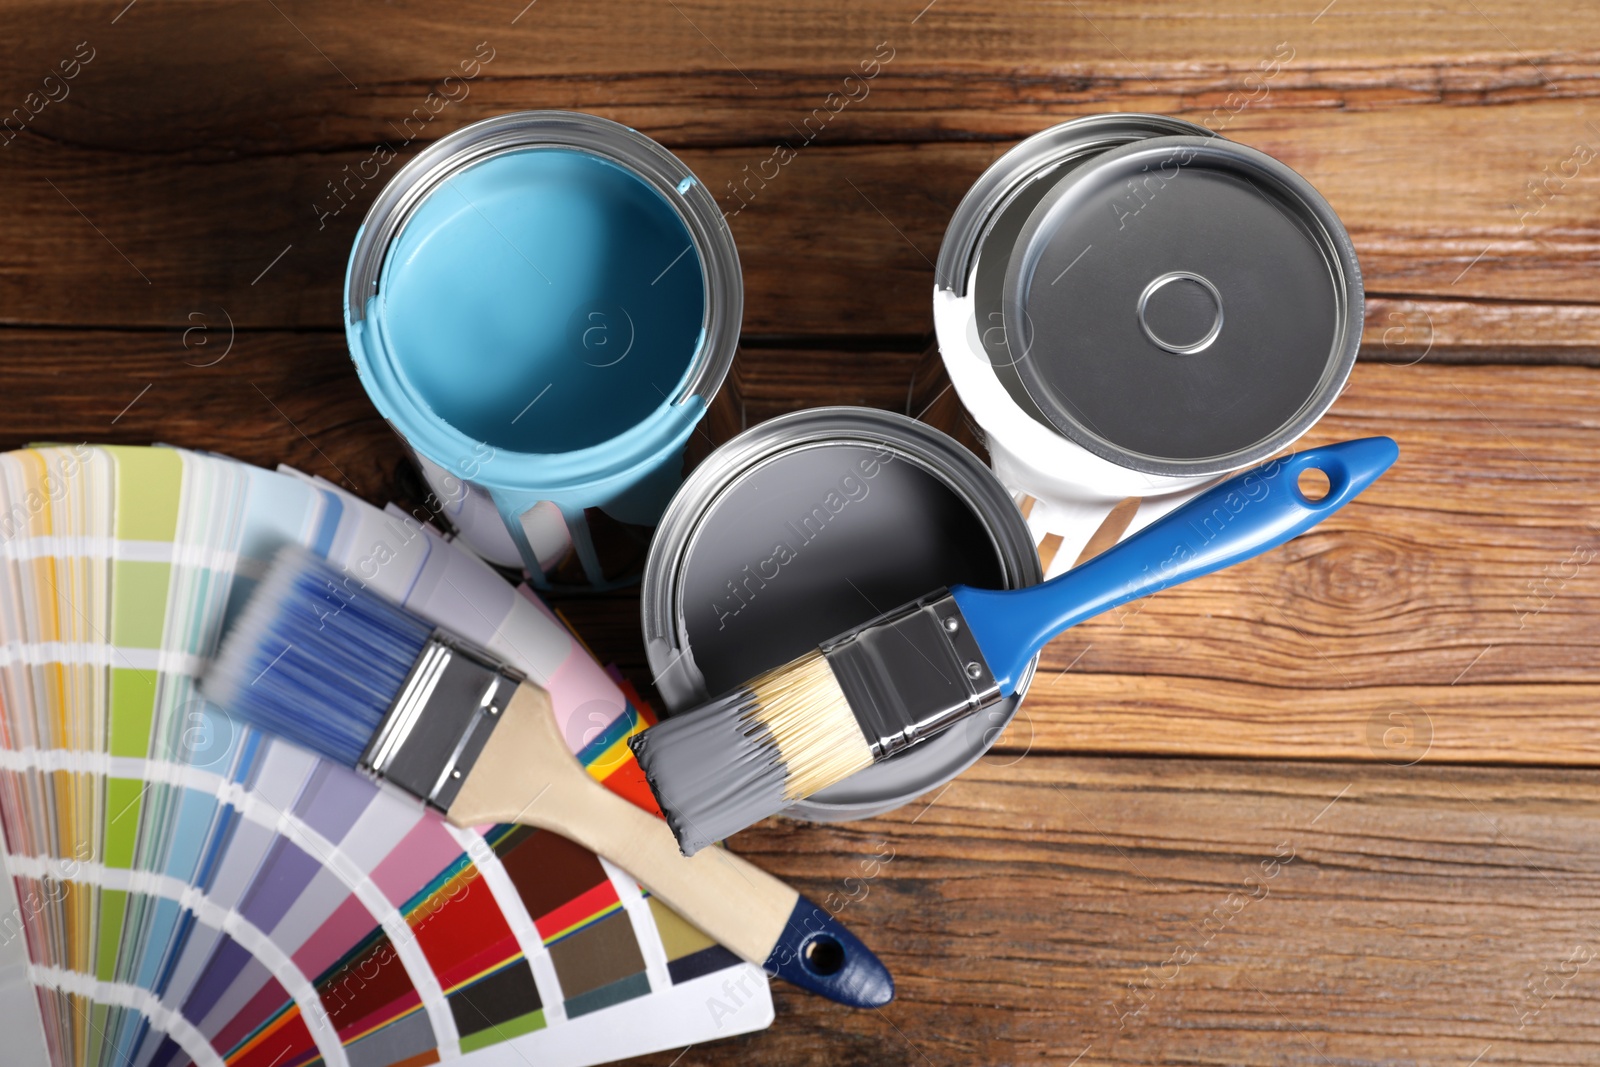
column 1182, row 305
column 806, row 545
column 814, row 544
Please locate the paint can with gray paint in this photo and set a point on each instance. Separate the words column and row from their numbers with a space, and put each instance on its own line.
column 805, row 526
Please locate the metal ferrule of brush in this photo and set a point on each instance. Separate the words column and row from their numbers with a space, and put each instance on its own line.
column 911, row 673
column 441, row 719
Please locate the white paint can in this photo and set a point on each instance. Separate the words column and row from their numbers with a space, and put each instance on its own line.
column 1129, row 307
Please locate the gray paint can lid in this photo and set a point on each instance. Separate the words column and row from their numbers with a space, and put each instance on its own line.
column 1182, row 305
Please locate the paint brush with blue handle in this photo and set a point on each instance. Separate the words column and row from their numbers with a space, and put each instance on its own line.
column 878, row 689
column 324, row 662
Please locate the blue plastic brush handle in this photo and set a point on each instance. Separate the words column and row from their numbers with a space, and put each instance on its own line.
column 817, row 953
column 1232, row 521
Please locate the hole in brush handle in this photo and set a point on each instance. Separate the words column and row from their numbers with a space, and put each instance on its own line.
column 823, row 956
column 1314, row 485
column 817, row 953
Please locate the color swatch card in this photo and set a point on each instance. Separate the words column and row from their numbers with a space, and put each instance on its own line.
column 190, row 891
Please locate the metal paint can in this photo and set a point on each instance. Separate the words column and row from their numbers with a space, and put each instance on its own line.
column 1129, row 306
column 542, row 305
column 809, row 524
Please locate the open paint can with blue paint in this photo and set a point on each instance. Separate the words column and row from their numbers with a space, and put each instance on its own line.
column 812, row 523
column 542, row 305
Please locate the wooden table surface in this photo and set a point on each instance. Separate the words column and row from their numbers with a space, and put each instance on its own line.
column 1394, row 715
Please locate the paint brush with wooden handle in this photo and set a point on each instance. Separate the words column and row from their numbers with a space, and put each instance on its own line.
column 882, row 687
column 318, row 659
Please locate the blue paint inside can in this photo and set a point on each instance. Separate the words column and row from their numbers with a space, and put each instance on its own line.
column 543, row 301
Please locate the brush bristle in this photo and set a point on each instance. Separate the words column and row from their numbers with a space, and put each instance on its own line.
column 809, row 718
column 315, row 657
column 746, row 755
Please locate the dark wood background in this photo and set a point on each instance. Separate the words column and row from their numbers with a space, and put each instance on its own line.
column 1403, row 702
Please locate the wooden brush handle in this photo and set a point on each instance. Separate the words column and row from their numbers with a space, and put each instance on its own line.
column 527, row 775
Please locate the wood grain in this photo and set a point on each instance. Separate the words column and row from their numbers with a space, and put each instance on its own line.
column 1148, row 911
column 175, row 240
column 158, row 193
column 1459, row 591
column 842, row 242
column 1447, row 615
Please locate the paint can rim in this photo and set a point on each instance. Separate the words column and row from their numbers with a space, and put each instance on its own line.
column 999, row 184
column 642, row 157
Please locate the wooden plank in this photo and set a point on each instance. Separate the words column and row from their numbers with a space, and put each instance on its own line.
column 210, row 154
column 1405, row 331
column 1445, row 615
column 265, row 398
column 862, row 267
column 1206, row 912
column 1359, row 42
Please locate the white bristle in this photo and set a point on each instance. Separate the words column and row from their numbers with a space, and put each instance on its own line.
column 806, row 713
column 749, row 754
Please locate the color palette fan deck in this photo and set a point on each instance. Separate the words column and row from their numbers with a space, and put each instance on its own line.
column 190, row 891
